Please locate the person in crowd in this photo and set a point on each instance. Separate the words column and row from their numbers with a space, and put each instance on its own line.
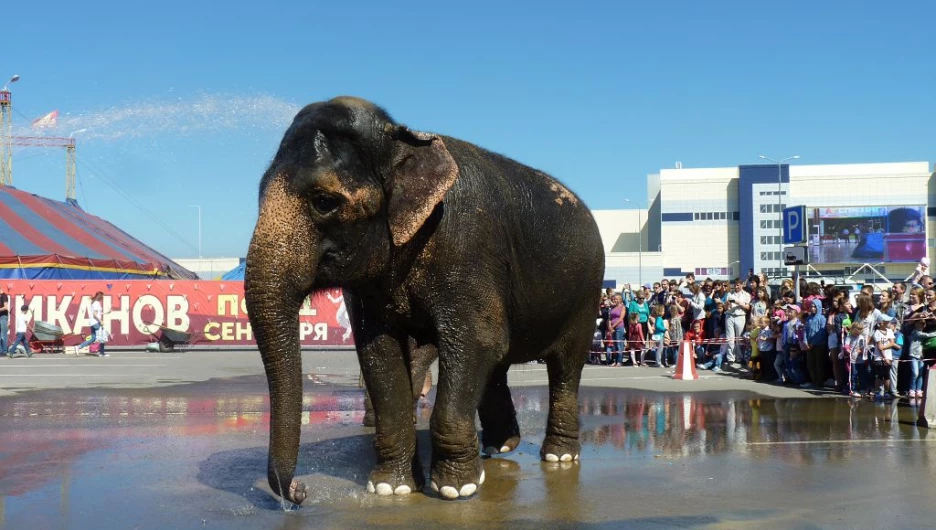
column 766, row 349
column 636, row 340
column 696, row 335
column 737, row 304
column 886, row 304
column 751, row 336
column 714, row 353
column 817, row 343
column 697, row 302
column 675, row 334
column 855, row 354
column 660, row 332
column 896, row 355
column 786, row 344
column 22, row 321
column 760, row 304
column 868, row 315
column 616, row 327
column 883, row 340
column 96, row 320
column 915, row 354
column 641, row 308
column 4, row 320
column 839, row 319
column 900, row 293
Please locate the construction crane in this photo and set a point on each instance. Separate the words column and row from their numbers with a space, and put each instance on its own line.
column 7, row 141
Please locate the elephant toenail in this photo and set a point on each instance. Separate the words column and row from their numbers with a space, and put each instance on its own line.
column 384, row 489
column 551, row 457
column 370, row 487
column 566, row 458
column 576, row 457
column 505, row 449
column 468, row 490
column 481, row 480
column 449, row 492
column 435, row 487
column 402, row 490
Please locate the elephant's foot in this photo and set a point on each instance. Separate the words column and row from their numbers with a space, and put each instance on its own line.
column 392, row 480
column 497, row 441
column 453, row 480
column 556, row 449
column 296, row 493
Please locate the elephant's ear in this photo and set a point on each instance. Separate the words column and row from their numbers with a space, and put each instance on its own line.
column 423, row 171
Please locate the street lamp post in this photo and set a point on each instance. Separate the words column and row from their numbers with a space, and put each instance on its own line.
column 639, row 243
column 779, row 200
column 199, row 227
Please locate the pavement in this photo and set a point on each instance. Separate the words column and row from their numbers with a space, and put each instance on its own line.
column 179, row 440
column 135, row 369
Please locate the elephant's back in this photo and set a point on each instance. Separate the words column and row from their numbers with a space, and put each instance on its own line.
column 536, row 233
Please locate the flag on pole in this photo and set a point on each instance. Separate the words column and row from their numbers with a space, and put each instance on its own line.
column 49, row 120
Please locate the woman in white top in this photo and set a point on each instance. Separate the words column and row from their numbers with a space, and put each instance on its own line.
column 95, row 319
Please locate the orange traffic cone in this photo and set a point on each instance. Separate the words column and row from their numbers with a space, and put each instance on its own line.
column 685, row 363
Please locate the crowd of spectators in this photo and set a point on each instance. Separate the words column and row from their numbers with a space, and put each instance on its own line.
column 854, row 341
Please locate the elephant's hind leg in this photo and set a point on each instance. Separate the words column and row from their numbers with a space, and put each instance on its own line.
column 500, row 431
column 564, row 366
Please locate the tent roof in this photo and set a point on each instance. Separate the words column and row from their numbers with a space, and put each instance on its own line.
column 237, row 273
column 44, row 239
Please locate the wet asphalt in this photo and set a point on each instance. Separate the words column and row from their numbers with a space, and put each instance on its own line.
column 184, row 446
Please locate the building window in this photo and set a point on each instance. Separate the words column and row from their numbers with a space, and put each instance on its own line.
column 715, row 216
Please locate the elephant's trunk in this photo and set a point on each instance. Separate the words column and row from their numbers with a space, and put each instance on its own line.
column 281, row 265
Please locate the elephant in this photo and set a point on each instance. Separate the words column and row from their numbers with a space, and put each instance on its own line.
column 421, row 359
column 433, row 238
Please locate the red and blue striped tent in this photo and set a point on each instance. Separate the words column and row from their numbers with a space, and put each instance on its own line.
column 42, row 239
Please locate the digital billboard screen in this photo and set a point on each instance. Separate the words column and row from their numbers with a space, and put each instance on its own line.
column 867, row 234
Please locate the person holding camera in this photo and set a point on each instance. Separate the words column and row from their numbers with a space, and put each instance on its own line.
column 737, row 305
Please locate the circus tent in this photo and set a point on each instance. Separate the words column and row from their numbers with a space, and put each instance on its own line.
column 45, row 239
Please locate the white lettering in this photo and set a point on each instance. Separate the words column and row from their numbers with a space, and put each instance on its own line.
column 177, row 312
column 159, row 314
column 56, row 314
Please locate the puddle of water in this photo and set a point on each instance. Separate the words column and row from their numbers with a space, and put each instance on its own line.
column 188, row 456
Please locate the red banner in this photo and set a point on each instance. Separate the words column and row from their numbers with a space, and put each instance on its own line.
column 136, row 312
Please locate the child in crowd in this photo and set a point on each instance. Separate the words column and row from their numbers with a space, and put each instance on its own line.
column 854, row 352
column 696, row 335
column 635, row 339
column 675, row 334
column 766, row 341
column 659, row 335
column 841, row 321
column 915, row 351
column 752, row 354
column 884, row 345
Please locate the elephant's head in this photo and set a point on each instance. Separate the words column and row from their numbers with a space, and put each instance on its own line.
column 346, row 187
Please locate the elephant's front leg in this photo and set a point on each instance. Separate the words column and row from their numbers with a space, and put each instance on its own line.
column 464, row 368
column 387, row 378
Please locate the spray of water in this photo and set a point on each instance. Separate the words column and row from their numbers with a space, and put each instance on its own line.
column 204, row 114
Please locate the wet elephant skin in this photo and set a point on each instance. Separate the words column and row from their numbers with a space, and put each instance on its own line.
column 432, row 238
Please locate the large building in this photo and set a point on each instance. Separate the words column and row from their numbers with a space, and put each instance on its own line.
column 871, row 219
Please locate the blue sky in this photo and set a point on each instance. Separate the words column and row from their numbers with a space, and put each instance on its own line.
column 185, row 103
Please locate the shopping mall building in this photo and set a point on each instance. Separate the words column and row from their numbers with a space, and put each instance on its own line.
column 865, row 222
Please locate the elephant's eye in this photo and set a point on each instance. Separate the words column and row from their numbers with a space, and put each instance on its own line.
column 324, row 203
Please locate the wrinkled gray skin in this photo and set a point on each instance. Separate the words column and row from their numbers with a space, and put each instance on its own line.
column 421, row 359
column 434, row 239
